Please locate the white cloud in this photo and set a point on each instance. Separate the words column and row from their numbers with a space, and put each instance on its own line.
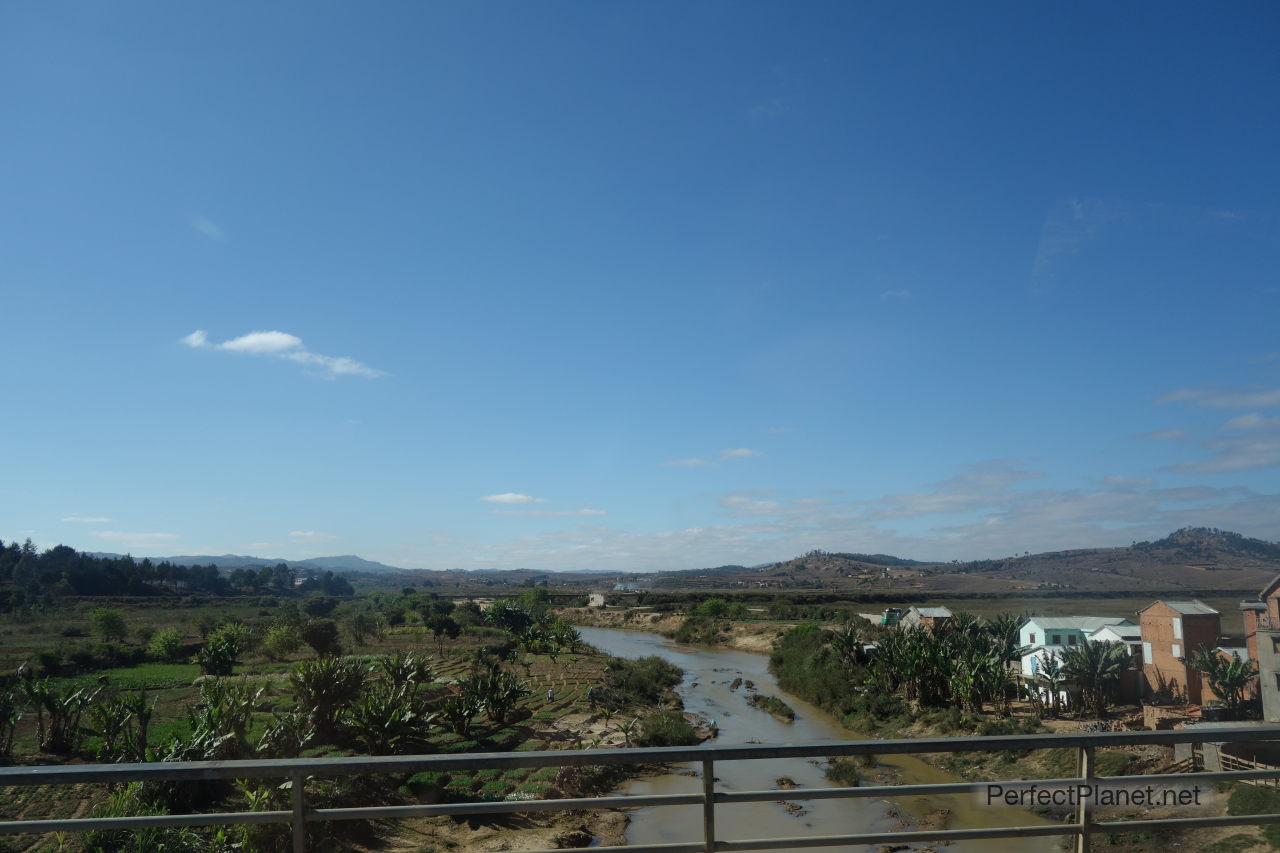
column 135, row 540
column 513, row 498
column 895, row 294
column 979, row 513
column 277, row 344
column 311, row 536
column 262, row 343
column 1246, row 453
column 739, row 453
column 1224, row 399
column 1123, row 482
column 86, row 519
column 1252, row 422
column 687, row 463
column 548, row 512
column 208, row 228
column 744, row 504
column 1165, row 435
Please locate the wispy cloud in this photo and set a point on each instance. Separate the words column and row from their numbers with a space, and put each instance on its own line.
column 1122, row 482
column 513, row 498
column 276, row 344
column 260, row 547
column 747, row 504
column 311, row 536
column 1165, row 435
column 86, row 519
column 1071, row 224
column 985, row 511
column 779, row 430
column 1252, row 421
column 208, row 228
column 1224, row 399
column 1245, row 453
column 739, row 453
column 687, row 463
column 890, row 295
column 135, row 540
column 548, row 512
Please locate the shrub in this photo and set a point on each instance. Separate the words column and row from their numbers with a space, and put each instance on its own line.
column 666, row 728
column 108, row 624
column 222, row 650
column 1249, row 799
column 326, row 688
column 844, row 772
column 281, row 641
column 322, row 636
column 772, row 704
column 165, row 646
column 639, row 682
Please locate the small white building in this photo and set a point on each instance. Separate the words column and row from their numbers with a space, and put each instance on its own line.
column 595, row 599
column 1042, row 635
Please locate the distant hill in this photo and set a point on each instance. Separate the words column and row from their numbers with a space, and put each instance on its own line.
column 1194, row 558
column 345, row 563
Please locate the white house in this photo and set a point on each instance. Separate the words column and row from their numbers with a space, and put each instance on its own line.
column 1130, row 635
column 1041, row 635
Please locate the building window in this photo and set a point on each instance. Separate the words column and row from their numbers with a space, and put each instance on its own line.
column 1035, row 665
column 1057, row 640
column 1177, row 628
column 1146, row 653
column 1177, row 650
column 1275, row 645
column 1071, row 639
column 1032, row 641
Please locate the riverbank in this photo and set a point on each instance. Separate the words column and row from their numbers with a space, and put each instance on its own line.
column 755, row 637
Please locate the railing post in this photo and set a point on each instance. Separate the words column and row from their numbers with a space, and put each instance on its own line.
column 299, row 820
column 709, row 804
column 1084, row 808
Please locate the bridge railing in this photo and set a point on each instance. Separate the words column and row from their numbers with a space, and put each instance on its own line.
column 298, row 771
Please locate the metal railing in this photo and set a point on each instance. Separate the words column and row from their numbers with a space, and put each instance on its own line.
column 298, row 770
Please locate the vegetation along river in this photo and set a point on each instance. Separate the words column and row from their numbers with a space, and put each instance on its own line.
column 706, row 690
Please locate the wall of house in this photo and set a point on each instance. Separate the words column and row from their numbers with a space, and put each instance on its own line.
column 1269, row 673
column 1165, row 672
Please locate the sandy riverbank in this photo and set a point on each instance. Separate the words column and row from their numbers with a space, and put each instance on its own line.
column 742, row 636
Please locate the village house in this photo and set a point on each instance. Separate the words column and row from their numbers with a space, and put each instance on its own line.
column 925, row 617
column 1262, row 641
column 1130, row 635
column 1044, row 635
column 1171, row 631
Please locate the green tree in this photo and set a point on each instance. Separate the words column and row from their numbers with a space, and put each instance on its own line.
column 108, row 624
column 282, row 640
column 322, row 635
column 1095, row 668
column 165, row 646
column 1228, row 678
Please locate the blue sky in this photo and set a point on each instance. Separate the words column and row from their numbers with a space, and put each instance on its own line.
column 637, row 285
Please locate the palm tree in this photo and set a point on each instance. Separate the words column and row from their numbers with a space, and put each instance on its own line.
column 1095, row 668
column 1050, row 678
column 1228, row 678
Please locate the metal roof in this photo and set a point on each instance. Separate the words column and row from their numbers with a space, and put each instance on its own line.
column 1077, row 623
column 1191, row 607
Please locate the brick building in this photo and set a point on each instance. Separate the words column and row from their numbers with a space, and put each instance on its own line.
column 1262, row 639
column 1172, row 630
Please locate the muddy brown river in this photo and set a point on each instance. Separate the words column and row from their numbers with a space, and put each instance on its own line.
column 709, row 672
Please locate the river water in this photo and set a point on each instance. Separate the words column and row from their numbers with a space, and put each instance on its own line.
column 709, row 673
